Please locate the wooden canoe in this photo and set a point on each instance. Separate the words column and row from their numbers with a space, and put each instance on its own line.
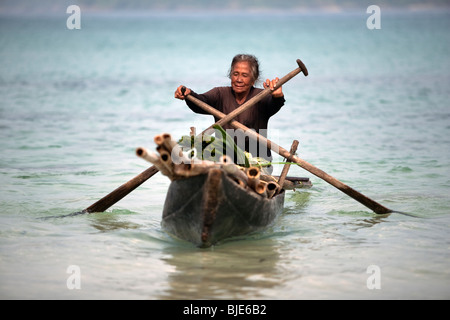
column 208, row 208
column 208, row 202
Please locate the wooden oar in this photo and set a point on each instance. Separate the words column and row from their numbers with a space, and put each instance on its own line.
column 119, row 193
column 369, row 203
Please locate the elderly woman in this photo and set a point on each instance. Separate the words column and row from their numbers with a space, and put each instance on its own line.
column 244, row 73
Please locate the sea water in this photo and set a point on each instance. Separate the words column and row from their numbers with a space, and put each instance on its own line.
column 373, row 112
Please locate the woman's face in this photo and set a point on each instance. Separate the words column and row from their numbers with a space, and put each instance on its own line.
column 241, row 77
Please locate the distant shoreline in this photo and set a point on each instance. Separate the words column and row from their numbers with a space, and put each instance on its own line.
column 46, row 8
column 215, row 13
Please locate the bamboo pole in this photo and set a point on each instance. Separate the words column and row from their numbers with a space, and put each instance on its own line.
column 272, row 188
column 253, row 175
column 261, row 188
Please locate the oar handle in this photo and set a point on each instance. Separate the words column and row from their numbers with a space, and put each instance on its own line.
column 302, row 66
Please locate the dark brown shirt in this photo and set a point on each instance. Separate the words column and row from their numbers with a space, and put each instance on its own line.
column 257, row 117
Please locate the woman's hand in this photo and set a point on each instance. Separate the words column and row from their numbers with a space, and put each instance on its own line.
column 276, row 92
column 179, row 94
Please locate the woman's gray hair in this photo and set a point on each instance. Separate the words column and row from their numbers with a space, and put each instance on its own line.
column 252, row 61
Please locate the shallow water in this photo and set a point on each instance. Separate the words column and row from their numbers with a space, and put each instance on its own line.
column 373, row 113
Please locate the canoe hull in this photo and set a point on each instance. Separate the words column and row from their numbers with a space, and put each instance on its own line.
column 208, row 208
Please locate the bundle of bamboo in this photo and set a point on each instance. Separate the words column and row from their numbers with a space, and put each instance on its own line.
column 173, row 163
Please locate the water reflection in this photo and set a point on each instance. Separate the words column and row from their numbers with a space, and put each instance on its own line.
column 234, row 270
column 296, row 202
column 258, row 267
column 107, row 221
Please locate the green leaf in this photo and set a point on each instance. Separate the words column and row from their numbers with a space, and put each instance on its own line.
column 228, row 143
